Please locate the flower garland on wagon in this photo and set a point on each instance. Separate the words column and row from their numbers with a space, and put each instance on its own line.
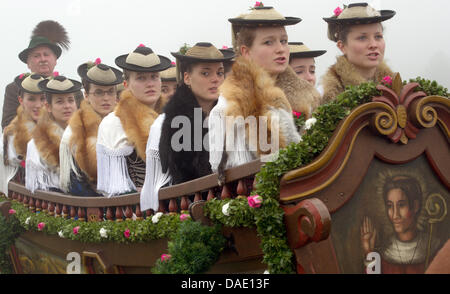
column 261, row 209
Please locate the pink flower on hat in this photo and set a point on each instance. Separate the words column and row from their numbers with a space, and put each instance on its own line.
column 11, row 211
column 55, row 73
column 41, row 226
column 21, row 76
column 337, row 11
column 387, row 80
column 224, row 47
column 127, row 233
column 76, row 229
column 165, row 257
column 98, row 61
column 258, row 4
column 173, row 63
column 297, row 114
column 22, row 163
column 255, row 201
column 141, row 45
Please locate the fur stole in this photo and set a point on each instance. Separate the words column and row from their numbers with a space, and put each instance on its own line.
column 302, row 96
column 250, row 91
column 21, row 128
column 343, row 74
column 47, row 137
column 136, row 119
column 184, row 165
column 84, row 125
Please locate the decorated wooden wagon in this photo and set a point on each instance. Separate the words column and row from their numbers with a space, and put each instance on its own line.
column 365, row 191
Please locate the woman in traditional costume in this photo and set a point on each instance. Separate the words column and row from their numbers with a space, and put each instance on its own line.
column 358, row 33
column 301, row 59
column 262, row 86
column 42, row 162
column 169, row 82
column 122, row 134
column 78, row 158
column 18, row 133
column 175, row 151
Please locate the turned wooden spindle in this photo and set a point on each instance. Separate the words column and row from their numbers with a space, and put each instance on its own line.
column 51, row 208
column 64, row 211
column 100, row 214
column 19, row 197
column 138, row 212
column 44, row 206
column 226, row 193
column 73, row 212
column 149, row 213
column 81, row 214
column 242, row 188
column 31, row 206
column 38, row 205
column 185, row 202
column 119, row 214
column 210, row 195
column 109, row 214
column 198, row 196
column 162, row 206
column 25, row 201
column 173, row 207
column 58, row 210
column 14, row 196
column 128, row 212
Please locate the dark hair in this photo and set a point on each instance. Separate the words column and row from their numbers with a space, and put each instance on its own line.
column 410, row 187
column 126, row 74
column 86, row 85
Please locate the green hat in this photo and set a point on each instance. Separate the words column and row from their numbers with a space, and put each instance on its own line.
column 47, row 33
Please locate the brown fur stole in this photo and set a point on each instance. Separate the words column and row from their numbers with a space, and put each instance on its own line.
column 47, row 137
column 302, row 96
column 21, row 127
column 84, row 125
column 136, row 119
column 343, row 74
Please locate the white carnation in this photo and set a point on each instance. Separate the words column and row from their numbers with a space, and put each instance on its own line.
column 156, row 217
column 61, row 234
column 226, row 209
column 27, row 221
column 310, row 122
column 103, row 233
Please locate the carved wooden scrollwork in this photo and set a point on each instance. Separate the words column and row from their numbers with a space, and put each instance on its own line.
column 307, row 221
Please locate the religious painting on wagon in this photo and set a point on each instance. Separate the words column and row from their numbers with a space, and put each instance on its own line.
column 399, row 212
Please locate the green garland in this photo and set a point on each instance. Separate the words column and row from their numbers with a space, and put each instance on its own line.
column 268, row 218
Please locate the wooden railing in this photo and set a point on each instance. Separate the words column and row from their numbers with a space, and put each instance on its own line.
column 176, row 198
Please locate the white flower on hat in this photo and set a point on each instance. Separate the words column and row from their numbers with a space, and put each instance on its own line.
column 156, row 217
column 27, row 221
column 310, row 122
column 61, row 234
column 103, row 233
column 226, row 209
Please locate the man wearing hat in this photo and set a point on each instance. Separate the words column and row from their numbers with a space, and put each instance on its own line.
column 77, row 153
column 122, row 134
column 42, row 162
column 18, row 133
column 40, row 56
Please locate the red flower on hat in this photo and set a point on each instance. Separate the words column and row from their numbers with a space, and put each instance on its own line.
column 173, row 63
column 141, row 45
column 98, row 61
column 55, row 73
column 337, row 11
column 21, row 76
column 259, row 4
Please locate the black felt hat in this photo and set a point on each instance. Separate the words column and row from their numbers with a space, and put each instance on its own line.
column 28, row 82
column 59, row 85
column 100, row 74
column 143, row 59
column 300, row 50
column 204, row 52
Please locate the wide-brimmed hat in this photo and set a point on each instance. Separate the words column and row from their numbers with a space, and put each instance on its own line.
column 143, row 59
column 47, row 33
column 300, row 50
column 100, row 74
column 204, row 52
column 170, row 74
column 261, row 15
column 28, row 82
column 355, row 14
column 59, row 85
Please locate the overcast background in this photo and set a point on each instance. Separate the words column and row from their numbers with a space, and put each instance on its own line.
column 417, row 38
